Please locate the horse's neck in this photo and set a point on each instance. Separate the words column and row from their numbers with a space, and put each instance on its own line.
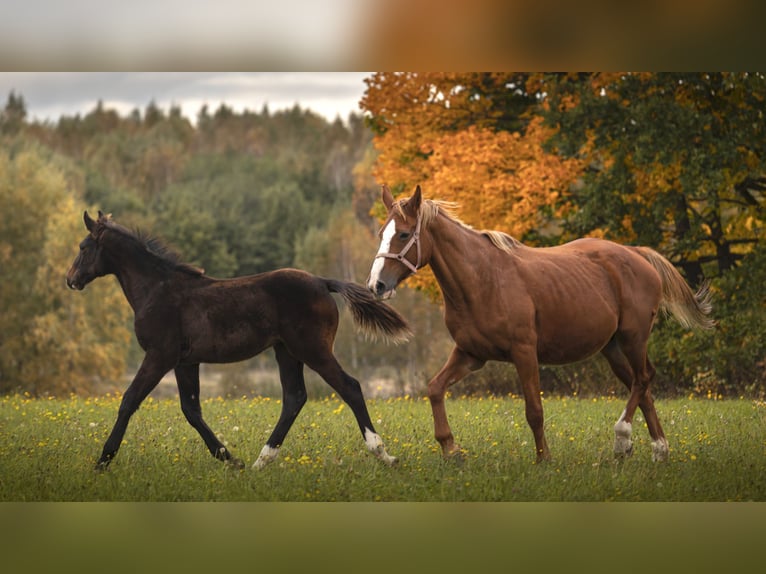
column 139, row 280
column 458, row 259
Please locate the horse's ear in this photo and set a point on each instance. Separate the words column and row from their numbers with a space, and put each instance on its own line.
column 387, row 197
column 415, row 200
column 90, row 225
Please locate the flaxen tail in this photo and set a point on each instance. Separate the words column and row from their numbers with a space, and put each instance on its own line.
column 691, row 309
column 372, row 316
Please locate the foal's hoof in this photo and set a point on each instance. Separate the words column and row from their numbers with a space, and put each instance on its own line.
column 391, row 461
column 235, row 463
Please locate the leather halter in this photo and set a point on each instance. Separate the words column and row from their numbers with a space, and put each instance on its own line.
column 414, row 240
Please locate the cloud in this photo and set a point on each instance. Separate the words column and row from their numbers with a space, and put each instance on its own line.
column 48, row 95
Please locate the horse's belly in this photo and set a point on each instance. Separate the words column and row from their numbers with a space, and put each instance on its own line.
column 234, row 341
column 575, row 340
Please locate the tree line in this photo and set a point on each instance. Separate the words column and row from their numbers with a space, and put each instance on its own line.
column 673, row 161
column 234, row 193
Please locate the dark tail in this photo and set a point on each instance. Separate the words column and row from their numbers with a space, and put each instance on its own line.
column 373, row 316
column 689, row 308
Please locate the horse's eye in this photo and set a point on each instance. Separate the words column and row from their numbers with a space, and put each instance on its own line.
column 404, row 235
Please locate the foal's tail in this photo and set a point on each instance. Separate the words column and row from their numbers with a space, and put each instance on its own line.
column 372, row 315
column 689, row 308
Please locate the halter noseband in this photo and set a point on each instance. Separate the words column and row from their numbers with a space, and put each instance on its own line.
column 414, row 240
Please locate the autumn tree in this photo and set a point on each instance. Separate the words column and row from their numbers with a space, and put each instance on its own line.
column 52, row 341
column 474, row 139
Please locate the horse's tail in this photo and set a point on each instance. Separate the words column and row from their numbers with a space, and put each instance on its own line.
column 689, row 308
column 371, row 315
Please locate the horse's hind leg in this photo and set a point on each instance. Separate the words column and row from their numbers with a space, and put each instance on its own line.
column 349, row 389
column 187, row 379
column 293, row 399
column 621, row 367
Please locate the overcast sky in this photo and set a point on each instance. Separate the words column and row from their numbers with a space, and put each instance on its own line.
column 48, row 95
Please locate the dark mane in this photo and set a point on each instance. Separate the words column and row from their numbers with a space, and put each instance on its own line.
column 155, row 247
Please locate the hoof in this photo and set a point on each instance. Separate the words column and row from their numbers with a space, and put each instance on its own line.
column 622, row 451
column 267, row 456
column 660, row 450
column 455, row 454
column 623, row 445
column 386, row 459
column 235, row 463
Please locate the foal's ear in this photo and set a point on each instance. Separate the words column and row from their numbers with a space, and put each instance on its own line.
column 387, row 197
column 90, row 224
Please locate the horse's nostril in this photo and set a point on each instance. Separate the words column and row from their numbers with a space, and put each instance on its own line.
column 380, row 287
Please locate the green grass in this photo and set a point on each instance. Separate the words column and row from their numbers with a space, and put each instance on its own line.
column 48, row 448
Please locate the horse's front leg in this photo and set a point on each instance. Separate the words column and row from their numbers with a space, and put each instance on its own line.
column 152, row 369
column 457, row 366
column 525, row 359
column 187, row 378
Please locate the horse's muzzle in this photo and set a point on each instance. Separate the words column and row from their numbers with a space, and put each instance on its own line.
column 74, row 285
column 381, row 290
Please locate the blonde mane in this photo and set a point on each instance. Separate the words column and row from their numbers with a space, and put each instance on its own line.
column 430, row 209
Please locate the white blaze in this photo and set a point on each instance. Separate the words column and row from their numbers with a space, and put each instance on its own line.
column 385, row 247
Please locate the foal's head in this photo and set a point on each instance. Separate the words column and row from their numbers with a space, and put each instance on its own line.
column 90, row 262
column 402, row 249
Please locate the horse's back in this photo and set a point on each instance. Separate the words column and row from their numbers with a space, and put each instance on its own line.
column 581, row 293
column 233, row 319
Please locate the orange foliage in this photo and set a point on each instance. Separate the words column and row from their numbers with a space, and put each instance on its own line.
column 502, row 180
column 449, row 133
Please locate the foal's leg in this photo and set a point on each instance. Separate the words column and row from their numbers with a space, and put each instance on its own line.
column 152, row 369
column 293, row 399
column 457, row 366
column 187, row 378
column 349, row 389
column 525, row 359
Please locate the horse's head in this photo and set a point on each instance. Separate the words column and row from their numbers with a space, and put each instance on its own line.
column 401, row 251
column 89, row 263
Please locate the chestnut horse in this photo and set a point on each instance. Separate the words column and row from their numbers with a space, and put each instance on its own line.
column 505, row 301
column 184, row 318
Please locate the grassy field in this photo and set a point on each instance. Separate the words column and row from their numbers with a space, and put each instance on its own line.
column 48, row 448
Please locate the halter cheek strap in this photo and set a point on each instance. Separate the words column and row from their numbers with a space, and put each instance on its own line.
column 400, row 257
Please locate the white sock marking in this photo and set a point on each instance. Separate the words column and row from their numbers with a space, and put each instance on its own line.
column 660, row 450
column 622, row 431
column 268, row 454
column 375, row 446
